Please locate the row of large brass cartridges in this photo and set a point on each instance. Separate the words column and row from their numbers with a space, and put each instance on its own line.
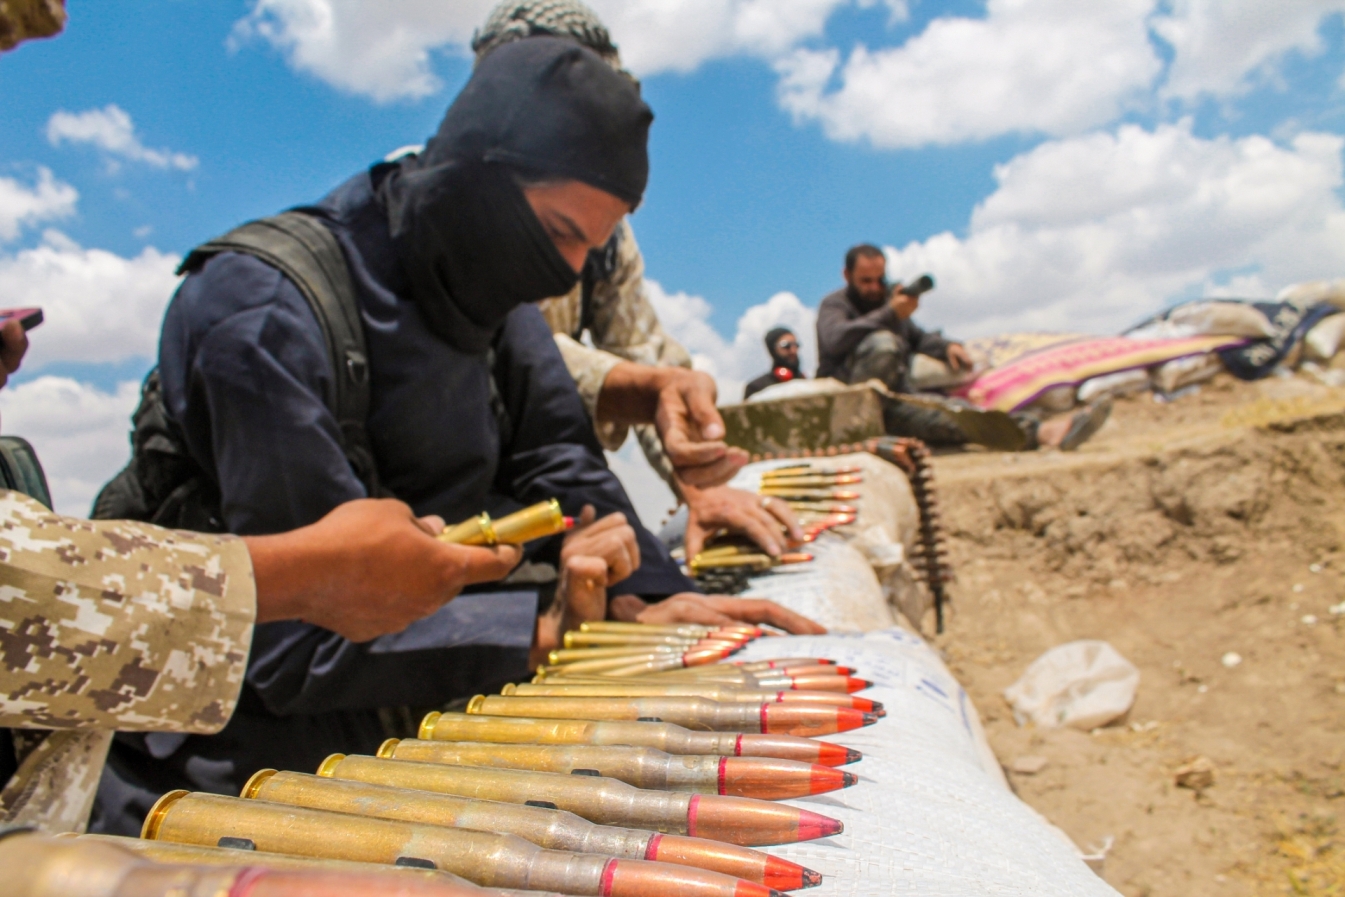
column 583, row 785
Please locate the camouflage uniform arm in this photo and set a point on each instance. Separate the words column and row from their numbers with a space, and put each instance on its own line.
column 589, row 367
column 119, row 625
column 626, row 326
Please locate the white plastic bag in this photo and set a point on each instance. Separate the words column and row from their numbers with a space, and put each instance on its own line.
column 1083, row 684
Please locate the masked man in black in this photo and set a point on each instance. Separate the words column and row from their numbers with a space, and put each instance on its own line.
column 471, row 409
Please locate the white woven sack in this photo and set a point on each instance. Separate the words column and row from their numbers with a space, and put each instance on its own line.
column 931, row 815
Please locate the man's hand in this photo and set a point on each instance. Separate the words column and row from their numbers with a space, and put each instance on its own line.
column 13, row 343
column 959, row 359
column 692, row 431
column 681, row 404
column 903, row 304
column 368, row 568
column 769, row 522
column 611, row 539
column 581, row 596
column 711, row 610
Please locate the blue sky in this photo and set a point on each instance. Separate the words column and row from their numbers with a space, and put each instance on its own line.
column 1056, row 165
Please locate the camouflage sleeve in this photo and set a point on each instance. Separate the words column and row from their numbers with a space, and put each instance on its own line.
column 119, row 625
column 55, row 784
column 624, row 322
column 589, row 367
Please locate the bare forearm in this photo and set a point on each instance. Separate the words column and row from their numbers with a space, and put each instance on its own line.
column 286, row 575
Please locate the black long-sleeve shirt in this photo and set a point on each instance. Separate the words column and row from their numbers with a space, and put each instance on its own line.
column 843, row 322
column 245, row 368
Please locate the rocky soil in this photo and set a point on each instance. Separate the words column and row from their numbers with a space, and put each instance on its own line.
column 1205, row 540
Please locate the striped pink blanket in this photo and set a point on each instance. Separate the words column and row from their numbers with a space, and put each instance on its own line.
column 1016, row 384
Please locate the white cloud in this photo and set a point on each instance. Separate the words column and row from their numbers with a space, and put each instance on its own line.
column 1092, row 232
column 733, row 363
column 98, row 306
column 1031, row 66
column 22, row 206
column 1220, row 46
column 80, row 434
column 383, row 50
column 111, row 130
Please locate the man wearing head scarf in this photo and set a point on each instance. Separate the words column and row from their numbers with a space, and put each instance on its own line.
column 628, row 353
column 783, row 347
column 471, row 410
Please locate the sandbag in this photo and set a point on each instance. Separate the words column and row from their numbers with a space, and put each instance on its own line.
column 1056, row 400
column 929, row 374
column 1312, row 292
column 1183, row 372
column 1083, row 684
column 1324, row 339
column 1211, row 318
column 883, row 538
column 1122, row 383
column 931, row 814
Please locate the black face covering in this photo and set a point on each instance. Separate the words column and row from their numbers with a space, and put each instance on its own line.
column 463, row 230
column 473, row 249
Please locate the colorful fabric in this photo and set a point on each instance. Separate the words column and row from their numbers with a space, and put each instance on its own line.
column 996, row 351
column 1015, row 385
column 1291, row 322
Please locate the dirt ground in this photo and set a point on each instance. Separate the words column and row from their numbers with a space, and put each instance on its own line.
column 1183, row 534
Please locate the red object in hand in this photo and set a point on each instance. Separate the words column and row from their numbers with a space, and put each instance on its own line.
column 569, row 523
column 782, row 374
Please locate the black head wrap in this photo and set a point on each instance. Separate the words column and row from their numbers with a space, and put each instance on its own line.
column 773, row 337
column 463, row 230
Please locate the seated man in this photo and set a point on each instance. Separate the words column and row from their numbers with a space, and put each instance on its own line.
column 627, row 352
column 783, row 346
column 471, row 409
column 866, row 331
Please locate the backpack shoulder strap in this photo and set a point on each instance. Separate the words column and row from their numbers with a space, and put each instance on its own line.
column 306, row 251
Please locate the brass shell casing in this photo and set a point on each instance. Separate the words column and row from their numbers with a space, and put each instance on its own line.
column 737, row 820
column 535, row 522
column 38, row 865
column 662, row 736
column 642, row 767
column 491, row 860
column 169, row 852
column 692, row 713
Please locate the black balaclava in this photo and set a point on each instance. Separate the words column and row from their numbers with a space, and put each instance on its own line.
column 463, row 230
column 772, row 338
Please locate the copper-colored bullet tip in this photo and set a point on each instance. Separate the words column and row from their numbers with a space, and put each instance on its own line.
column 814, row 825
